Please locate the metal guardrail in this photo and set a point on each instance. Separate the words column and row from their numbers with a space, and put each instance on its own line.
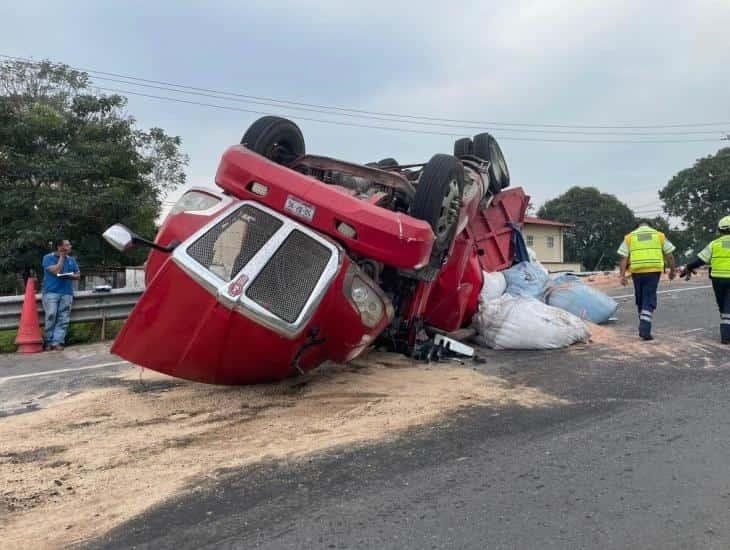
column 87, row 306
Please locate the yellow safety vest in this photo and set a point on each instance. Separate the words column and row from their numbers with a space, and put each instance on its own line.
column 646, row 254
column 720, row 261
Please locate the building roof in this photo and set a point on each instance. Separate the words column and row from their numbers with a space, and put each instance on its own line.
column 539, row 221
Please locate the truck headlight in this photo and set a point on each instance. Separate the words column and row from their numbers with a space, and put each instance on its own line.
column 367, row 302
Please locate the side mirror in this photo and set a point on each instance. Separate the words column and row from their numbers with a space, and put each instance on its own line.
column 120, row 237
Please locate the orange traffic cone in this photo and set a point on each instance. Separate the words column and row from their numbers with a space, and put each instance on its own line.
column 29, row 337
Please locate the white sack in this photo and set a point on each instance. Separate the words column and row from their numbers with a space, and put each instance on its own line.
column 493, row 287
column 520, row 322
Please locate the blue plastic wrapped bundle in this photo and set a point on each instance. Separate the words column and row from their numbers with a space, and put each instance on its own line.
column 569, row 293
column 527, row 279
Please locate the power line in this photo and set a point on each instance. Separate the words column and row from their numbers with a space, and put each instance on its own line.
column 224, row 96
column 295, row 104
column 392, row 128
column 649, row 212
column 651, row 203
column 643, row 188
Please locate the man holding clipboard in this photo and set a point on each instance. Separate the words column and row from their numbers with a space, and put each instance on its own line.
column 59, row 272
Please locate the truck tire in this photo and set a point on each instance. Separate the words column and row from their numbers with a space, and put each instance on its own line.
column 386, row 163
column 438, row 199
column 463, row 147
column 278, row 139
column 487, row 148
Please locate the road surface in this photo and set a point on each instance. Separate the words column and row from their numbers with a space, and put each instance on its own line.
column 637, row 458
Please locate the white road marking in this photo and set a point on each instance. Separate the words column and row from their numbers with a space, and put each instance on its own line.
column 691, row 330
column 666, row 291
column 59, row 371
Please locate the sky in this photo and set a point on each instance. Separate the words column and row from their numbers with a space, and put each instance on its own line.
column 530, row 63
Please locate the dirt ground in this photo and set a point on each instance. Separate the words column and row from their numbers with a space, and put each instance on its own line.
column 603, row 281
column 87, row 463
column 660, row 352
column 610, row 280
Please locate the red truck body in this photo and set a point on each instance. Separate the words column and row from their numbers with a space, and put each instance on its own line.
column 258, row 289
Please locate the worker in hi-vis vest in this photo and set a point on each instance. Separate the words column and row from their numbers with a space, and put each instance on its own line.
column 717, row 256
column 645, row 251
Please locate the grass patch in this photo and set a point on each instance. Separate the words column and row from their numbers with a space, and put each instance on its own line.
column 78, row 333
column 7, row 341
column 82, row 333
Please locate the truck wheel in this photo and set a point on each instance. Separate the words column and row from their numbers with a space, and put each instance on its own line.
column 463, row 147
column 386, row 163
column 487, row 148
column 276, row 138
column 438, row 199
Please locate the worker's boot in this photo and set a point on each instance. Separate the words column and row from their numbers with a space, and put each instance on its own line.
column 725, row 328
column 645, row 318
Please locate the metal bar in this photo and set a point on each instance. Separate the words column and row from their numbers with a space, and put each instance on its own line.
column 390, row 179
column 87, row 306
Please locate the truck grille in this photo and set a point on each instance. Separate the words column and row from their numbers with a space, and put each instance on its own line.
column 226, row 248
column 287, row 281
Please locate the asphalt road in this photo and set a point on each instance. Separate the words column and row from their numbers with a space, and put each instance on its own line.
column 637, row 458
column 684, row 308
column 30, row 382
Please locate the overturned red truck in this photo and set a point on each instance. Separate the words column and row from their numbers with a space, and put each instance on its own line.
column 299, row 259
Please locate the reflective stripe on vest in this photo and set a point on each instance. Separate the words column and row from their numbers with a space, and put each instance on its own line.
column 720, row 261
column 645, row 250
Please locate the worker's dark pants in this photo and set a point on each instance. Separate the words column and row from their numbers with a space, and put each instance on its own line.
column 645, row 286
column 722, row 295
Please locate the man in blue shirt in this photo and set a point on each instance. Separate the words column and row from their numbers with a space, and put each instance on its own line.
column 59, row 272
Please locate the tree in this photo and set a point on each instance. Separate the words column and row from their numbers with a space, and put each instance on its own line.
column 678, row 237
column 601, row 222
column 72, row 162
column 700, row 196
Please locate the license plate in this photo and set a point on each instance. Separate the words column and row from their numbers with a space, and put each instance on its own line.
column 299, row 208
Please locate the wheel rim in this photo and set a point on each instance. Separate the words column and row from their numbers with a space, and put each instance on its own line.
column 281, row 153
column 449, row 211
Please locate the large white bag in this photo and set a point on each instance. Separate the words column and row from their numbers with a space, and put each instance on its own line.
column 521, row 322
column 493, row 287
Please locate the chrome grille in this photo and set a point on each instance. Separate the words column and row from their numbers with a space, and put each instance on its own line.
column 227, row 247
column 286, row 282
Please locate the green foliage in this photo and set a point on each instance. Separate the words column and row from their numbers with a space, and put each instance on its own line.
column 678, row 237
column 601, row 222
column 78, row 333
column 7, row 341
column 72, row 163
column 700, row 196
column 81, row 333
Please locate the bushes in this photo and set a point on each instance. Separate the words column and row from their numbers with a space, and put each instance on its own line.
column 7, row 341
column 78, row 333
column 9, row 283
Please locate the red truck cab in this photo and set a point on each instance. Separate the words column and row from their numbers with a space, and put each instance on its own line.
column 298, row 261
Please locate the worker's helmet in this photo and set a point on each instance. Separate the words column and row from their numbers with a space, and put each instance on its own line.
column 724, row 224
